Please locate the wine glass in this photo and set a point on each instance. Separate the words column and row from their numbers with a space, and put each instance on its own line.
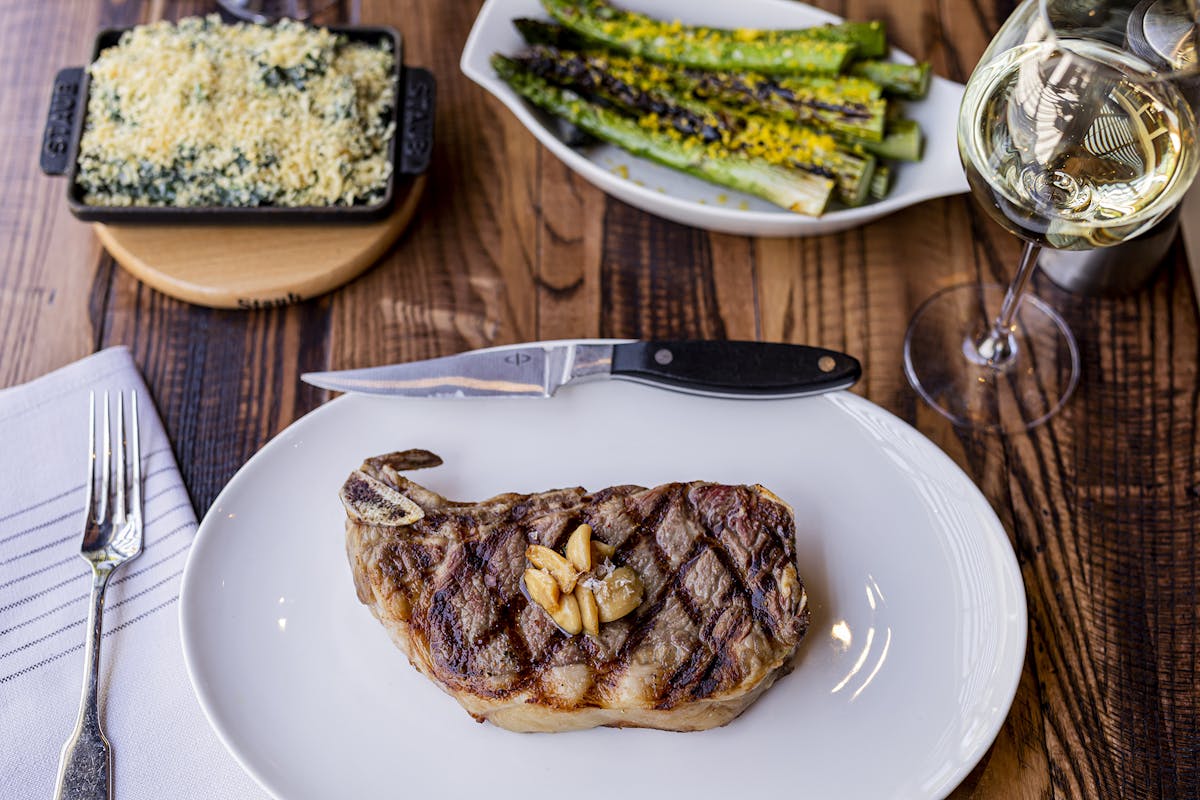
column 1075, row 132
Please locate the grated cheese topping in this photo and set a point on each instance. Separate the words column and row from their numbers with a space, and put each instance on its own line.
column 200, row 113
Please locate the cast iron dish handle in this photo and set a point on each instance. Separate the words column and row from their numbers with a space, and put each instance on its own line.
column 66, row 103
column 416, row 135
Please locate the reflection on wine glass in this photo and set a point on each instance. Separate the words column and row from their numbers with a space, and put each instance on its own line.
column 1076, row 133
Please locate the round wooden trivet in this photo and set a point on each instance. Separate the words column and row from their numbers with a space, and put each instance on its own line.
column 255, row 266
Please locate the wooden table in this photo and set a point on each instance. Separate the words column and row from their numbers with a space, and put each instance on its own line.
column 1103, row 504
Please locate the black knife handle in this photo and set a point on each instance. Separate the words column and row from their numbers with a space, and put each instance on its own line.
column 738, row 369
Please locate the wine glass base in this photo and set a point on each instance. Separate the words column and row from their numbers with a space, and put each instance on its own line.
column 944, row 364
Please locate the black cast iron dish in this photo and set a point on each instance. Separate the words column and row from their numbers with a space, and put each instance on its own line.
column 409, row 149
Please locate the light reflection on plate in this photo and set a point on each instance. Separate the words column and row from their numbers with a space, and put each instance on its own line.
column 870, row 654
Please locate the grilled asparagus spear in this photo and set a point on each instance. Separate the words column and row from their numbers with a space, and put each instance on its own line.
column 658, row 106
column 902, row 141
column 881, row 182
column 868, row 38
column 538, row 31
column 853, row 107
column 641, row 65
column 847, row 105
column 793, row 189
column 780, row 141
column 910, row 81
column 769, row 51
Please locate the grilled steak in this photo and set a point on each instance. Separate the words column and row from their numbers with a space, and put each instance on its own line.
column 722, row 615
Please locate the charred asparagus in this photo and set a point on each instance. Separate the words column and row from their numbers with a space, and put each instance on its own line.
column 769, row 51
column 793, row 189
column 657, row 106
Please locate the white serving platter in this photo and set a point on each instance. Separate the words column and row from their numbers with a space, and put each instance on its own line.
column 903, row 681
column 691, row 201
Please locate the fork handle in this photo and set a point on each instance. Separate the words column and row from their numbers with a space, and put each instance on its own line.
column 85, row 767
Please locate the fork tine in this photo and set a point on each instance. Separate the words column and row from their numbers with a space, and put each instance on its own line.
column 105, row 467
column 119, row 457
column 89, row 495
column 135, row 491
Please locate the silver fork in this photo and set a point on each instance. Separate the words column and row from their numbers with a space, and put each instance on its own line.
column 112, row 535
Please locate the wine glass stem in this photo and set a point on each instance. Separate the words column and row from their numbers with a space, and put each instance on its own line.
column 998, row 346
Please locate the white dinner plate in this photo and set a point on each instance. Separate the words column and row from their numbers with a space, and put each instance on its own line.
column 905, row 677
column 689, row 200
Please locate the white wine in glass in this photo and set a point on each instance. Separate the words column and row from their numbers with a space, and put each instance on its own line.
column 1086, row 157
column 1075, row 133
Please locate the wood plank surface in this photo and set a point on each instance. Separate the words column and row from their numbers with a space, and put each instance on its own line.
column 1103, row 503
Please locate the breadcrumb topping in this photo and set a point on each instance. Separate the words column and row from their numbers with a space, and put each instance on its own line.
column 199, row 113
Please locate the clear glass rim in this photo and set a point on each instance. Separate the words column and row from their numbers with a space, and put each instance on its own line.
column 1153, row 76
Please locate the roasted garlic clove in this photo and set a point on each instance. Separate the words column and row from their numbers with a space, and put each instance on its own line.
column 579, row 548
column 618, row 593
column 563, row 571
column 567, row 615
column 601, row 551
column 589, row 612
column 543, row 589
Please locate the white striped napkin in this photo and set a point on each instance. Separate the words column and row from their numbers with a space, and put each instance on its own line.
column 162, row 744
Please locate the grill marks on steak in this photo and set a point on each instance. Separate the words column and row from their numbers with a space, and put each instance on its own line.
column 723, row 609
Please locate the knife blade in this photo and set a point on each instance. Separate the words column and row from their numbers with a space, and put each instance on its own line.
column 746, row 370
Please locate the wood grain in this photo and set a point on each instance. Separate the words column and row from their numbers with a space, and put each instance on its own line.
column 47, row 255
column 1103, row 504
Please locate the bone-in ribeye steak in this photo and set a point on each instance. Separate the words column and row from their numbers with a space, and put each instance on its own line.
column 722, row 615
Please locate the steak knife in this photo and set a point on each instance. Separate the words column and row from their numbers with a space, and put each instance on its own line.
column 744, row 370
